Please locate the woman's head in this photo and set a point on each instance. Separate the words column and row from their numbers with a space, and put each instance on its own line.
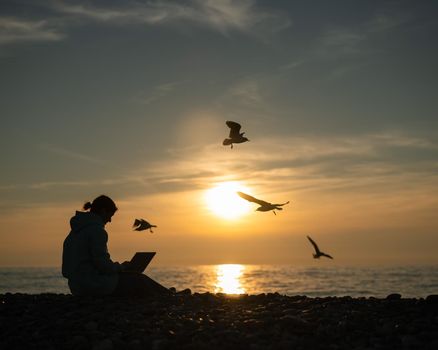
column 103, row 206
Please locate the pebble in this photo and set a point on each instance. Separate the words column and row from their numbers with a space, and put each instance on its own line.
column 217, row 321
column 393, row 296
column 432, row 298
column 106, row 344
column 91, row 326
column 79, row 342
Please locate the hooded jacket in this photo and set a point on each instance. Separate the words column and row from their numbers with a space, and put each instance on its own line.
column 85, row 258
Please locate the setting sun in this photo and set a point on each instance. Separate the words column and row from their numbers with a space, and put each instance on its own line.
column 223, row 200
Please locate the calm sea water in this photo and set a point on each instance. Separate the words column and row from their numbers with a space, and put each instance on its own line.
column 410, row 281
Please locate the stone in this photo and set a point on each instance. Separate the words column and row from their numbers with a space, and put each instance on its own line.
column 432, row 298
column 293, row 321
column 410, row 342
column 135, row 344
column 160, row 344
column 105, row 344
column 393, row 296
column 91, row 326
column 78, row 342
column 209, row 321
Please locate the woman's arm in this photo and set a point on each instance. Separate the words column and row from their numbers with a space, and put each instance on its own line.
column 99, row 252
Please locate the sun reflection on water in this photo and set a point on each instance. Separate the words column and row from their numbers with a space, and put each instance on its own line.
column 228, row 279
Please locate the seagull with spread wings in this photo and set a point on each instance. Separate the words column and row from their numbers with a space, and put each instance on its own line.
column 264, row 206
column 235, row 135
column 318, row 253
column 141, row 224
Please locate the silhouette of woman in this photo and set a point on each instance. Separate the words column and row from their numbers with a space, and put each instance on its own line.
column 87, row 264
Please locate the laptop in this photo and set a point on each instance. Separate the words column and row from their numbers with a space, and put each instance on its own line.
column 140, row 261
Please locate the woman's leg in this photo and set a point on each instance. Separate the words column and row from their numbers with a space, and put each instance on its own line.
column 138, row 284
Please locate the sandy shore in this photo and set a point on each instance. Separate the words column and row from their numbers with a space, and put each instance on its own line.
column 214, row 321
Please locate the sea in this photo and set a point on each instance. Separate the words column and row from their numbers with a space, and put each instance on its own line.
column 409, row 281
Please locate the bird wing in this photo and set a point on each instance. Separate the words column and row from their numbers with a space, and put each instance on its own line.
column 141, row 224
column 234, row 128
column 314, row 245
column 252, row 199
column 279, row 205
column 144, row 223
column 326, row 255
column 227, row 142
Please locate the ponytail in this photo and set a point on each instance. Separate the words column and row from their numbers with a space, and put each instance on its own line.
column 87, row 206
column 101, row 203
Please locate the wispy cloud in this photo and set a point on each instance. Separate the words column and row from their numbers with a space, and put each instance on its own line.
column 21, row 30
column 51, row 184
column 388, row 162
column 341, row 41
column 71, row 154
column 131, row 11
column 247, row 91
column 220, row 15
column 288, row 164
column 291, row 65
column 384, row 21
column 223, row 16
column 399, row 139
column 157, row 93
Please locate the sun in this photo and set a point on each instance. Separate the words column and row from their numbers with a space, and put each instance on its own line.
column 223, row 200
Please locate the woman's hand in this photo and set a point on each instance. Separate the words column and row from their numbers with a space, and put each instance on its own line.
column 125, row 265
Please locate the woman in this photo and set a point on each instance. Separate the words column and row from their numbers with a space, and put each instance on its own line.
column 86, row 262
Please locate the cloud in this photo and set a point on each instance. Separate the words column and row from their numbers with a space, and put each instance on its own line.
column 23, row 30
column 71, row 154
column 220, row 15
column 241, row 15
column 288, row 164
column 392, row 164
column 134, row 13
column 157, row 93
column 342, row 41
column 223, row 16
column 382, row 22
column 291, row 65
column 399, row 139
column 247, row 91
column 50, row 184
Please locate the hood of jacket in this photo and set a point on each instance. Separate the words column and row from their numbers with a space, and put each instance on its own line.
column 84, row 219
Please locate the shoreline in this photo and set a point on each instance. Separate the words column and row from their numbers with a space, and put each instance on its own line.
column 288, row 280
column 217, row 321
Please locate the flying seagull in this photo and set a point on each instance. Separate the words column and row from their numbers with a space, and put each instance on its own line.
column 141, row 224
column 235, row 135
column 264, row 206
column 318, row 253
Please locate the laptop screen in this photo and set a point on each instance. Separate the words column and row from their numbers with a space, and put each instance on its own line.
column 140, row 261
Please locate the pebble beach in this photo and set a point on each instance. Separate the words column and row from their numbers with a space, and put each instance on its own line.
column 217, row 321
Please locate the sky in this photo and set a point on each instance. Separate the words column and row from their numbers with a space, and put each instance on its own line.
column 130, row 98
